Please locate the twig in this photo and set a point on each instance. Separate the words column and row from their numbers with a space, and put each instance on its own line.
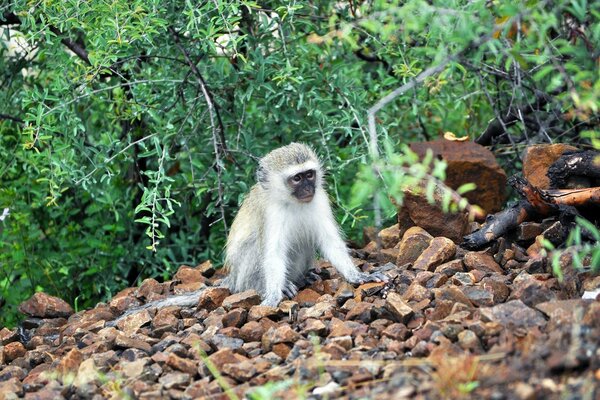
column 218, row 134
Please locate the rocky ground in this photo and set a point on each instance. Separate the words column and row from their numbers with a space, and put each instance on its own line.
column 450, row 323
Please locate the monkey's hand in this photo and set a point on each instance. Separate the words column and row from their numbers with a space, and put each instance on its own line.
column 272, row 299
column 290, row 290
column 364, row 277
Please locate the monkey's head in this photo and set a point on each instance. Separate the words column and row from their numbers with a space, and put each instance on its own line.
column 291, row 172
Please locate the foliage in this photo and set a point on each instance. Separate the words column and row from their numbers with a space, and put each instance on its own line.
column 131, row 128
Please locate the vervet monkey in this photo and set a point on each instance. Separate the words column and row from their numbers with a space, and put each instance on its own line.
column 285, row 218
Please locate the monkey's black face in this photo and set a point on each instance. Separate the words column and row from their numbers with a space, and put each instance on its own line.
column 303, row 185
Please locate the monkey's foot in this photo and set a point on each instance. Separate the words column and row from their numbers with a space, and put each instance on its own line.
column 364, row 277
column 290, row 290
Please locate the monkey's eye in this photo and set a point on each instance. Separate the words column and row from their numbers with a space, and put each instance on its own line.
column 309, row 174
column 297, row 178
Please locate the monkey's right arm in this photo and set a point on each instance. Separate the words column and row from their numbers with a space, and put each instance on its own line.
column 275, row 262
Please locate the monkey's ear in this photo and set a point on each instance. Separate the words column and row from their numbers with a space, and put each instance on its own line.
column 261, row 174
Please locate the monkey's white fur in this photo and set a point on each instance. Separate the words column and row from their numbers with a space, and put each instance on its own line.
column 274, row 237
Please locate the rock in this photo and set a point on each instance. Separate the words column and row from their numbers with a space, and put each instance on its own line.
column 235, row 318
column 133, row 322
column 432, row 218
column 414, row 242
column 530, row 290
column 241, row 372
column 225, row 356
column 439, row 251
column 389, row 237
column 124, row 300
column 479, row 295
column 186, row 275
column 175, row 380
column 396, row 331
column 206, row 269
column 212, row 298
column 11, row 389
column 126, row 342
column 243, row 300
column 538, row 158
column 362, row 311
column 69, row 365
column 514, row 314
column 450, row 268
column 416, row 293
column 451, row 293
column 469, row 162
column 182, row 364
column 482, row 262
column 307, row 297
column 469, row 341
column 259, row 311
column 527, row 231
column 13, row 350
column 398, row 308
column 149, row 289
column 314, row 326
column 8, row 336
column 43, row 305
column 282, row 334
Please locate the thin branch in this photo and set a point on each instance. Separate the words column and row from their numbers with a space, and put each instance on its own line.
column 11, row 118
column 218, row 134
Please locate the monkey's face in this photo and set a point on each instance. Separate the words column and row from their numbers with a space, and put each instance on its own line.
column 303, row 185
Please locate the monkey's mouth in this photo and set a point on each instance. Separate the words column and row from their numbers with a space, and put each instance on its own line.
column 306, row 198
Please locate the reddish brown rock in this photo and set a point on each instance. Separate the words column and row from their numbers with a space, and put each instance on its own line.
column 414, row 241
column 307, row 297
column 482, row 262
column 398, row 308
column 133, row 322
column 451, row 293
column 168, row 316
column 339, row 328
column 13, row 350
column 127, row 342
column 212, row 298
column 43, row 305
column 432, row 218
column 69, row 364
column 469, row 162
column 450, row 268
column 389, row 237
column 416, row 292
column 150, row 289
column 538, row 158
column 514, row 314
column 182, row 364
column 226, row 356
column 314, row 326
column 362, row 311
column 282, row 334
column 187, row 274
column 11, row 389
column 241, row 372
column 439, row 251
column 396, row 331
column 235, row 318
column 259, row 311
column 206, row 268
column 243, row 300
column 124, row 300
column 8, row 336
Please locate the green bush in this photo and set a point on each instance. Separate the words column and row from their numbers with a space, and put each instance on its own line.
column 131, row 129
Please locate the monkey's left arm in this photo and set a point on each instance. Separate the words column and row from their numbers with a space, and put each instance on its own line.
column 334, row 249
